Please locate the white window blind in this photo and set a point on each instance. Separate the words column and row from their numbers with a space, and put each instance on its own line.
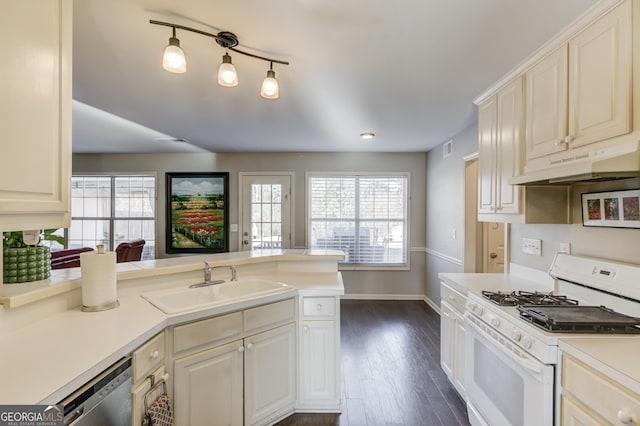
column 363, row 215
column 111, row 209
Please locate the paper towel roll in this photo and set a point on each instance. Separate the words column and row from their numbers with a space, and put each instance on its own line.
column 99, row 281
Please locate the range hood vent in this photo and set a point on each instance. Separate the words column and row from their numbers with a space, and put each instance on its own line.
column 617, row 162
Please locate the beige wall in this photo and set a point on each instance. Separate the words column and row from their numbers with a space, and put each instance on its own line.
column 445, row 191
column 619, row 244
column 356, row 282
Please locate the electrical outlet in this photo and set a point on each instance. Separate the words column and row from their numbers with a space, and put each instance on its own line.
column 565, row 248
column 532, row 246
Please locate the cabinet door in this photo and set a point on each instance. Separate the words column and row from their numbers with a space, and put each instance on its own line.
column 575, row 415
column 458, row 353
column 208, row 387
column 269, row 368
column 486, row 149
column 139, row 392
column 508, row 143
column 319, row 364
column 600, row 78
column 446, row 339
column 35, row 177
column 546, row 105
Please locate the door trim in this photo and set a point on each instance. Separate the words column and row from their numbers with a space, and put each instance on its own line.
column 241, row 176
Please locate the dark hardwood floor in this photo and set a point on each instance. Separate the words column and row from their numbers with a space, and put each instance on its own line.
column 391, row 371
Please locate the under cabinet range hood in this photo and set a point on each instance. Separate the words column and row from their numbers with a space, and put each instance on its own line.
column 615, row 162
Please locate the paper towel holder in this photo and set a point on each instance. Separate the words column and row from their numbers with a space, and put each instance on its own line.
column 104, row 306
column 99, row 308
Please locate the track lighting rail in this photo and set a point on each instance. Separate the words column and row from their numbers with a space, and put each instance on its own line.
column 224, row 39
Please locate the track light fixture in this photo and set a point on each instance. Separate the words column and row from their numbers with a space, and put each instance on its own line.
column 173, row 59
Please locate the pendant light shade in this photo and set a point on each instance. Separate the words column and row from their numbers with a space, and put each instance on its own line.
column 227, row 74
column 173, row 59
column 270, row 89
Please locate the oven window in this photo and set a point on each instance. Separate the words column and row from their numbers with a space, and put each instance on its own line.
column 499, row 382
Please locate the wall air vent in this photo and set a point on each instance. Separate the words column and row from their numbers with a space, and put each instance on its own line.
column 447, row 149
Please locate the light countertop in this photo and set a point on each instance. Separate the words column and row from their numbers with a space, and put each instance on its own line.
column 45, row 361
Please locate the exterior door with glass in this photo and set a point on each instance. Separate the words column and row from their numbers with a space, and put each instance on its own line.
column 266, row 211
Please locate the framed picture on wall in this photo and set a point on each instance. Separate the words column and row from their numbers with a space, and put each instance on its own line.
column 617, row 209
column 197, row 212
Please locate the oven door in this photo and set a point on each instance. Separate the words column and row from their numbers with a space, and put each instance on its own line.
column 505, row 385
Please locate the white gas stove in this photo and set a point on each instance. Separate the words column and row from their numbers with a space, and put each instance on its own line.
column 512, row 348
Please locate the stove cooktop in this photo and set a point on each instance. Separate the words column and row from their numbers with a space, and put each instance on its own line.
column 516, row 298
column 579, row 319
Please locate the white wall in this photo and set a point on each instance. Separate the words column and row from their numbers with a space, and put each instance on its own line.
column 445, row 209
column 356, row 282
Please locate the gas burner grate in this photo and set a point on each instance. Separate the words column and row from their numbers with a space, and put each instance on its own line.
column 516, row 298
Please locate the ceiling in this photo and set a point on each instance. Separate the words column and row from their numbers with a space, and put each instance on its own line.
column 406, row 70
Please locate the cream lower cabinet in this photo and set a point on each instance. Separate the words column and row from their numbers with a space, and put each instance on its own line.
column 208, row 386
column 237, row 368
column 452, row 340
column 591, row 398
column 269, row 375
column 319, row 354
column 148, row 367
column 35, row 177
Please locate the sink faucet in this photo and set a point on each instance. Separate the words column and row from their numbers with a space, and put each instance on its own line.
column 207, row 277
column 207, row 272
column 233, row 273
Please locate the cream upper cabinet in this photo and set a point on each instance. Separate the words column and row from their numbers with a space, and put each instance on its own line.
column 500, row 130
column 546, row 105
column 35, row 176
column 580, row 93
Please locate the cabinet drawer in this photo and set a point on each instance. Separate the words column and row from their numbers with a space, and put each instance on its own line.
column 598, row 392
column 267, row 316
column 209, row 332
column 319, row 306
column 147, row 357
column 453, row 297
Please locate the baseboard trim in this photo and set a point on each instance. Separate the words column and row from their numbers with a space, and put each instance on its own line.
column 431, row 304
column 357, row 296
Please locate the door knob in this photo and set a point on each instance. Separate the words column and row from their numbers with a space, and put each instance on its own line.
column 493, row 255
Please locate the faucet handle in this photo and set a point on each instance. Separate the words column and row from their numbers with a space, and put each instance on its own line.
column 207, row 266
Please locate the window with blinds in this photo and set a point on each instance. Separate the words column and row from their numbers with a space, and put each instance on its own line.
column 363, row 215
column 111, row 209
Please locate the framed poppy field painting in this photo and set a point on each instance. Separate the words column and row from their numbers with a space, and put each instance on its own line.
column 197, row 212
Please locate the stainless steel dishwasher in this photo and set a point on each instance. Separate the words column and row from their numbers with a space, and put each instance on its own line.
column 103, row 401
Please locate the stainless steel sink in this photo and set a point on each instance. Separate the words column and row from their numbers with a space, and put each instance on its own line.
column 173, row 301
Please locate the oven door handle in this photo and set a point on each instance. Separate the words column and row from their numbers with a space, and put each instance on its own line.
column 530, row 365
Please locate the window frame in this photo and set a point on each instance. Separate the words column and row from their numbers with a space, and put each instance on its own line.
column 364, row 266
column 112, row 218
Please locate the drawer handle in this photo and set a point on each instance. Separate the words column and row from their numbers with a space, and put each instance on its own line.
column 452, row 298
column 154, row 355
column 306, row 328
column 625, row 416
column 241, row 349
column 319, row 306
